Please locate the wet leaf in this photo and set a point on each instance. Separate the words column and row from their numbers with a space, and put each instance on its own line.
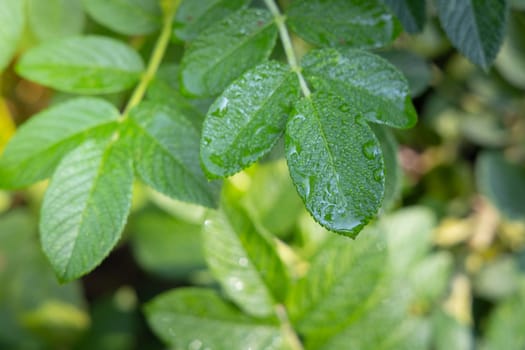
column 336, row 163
column 224, row 51
column 370, row 86
column 247, row 119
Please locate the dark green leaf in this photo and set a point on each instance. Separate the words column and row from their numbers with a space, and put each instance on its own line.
column 167, row 154
column 53, row 19
column 475, row 28
column 37, row 147
column 248, row 118
column 12, row 19
column 244, row 261
column 85, row 207
column 371, row 86
column 224, row 51
column 166, row 246
column 511, row 60
column 195, row 16
column 503, row 183
column 193, row 318
column 85, row 65
column 412, row 13
column 130, row 17
column 335, row 163
column 356, row 23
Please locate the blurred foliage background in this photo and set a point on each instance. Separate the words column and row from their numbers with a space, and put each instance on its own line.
column 464, row 162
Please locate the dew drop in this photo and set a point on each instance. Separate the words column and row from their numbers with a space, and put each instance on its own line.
column 207, row 223
column 235, row 283
column 243, row 262
column 195, row 345
column 379, row 174
column 370, row 150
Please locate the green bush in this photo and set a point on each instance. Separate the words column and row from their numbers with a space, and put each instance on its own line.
column 263, row 160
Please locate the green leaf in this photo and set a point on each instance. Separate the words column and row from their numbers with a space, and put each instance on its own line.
column 448, row 333
column 85, row 207
column 475, row 28
column 335, row 163
column 503, row 183
column 244, row 261
column 84, row 65
column 192, row 318
column 511, row 60
column 166, row 246
column 411, row 13
column 193, row 17
column 328, row 297
column 393, row 172
column 506, row 325
column 37, row 147
column 224, row 51
column 12, row 19
column 245, row 122
column 371, row 86
column 166, row 154
column 55, row 19
column 356, row 23
column 129, row 17
column 414, row 67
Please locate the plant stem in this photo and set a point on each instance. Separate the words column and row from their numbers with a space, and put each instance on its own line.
column 280, row 20
column 169, row 8
column 289, row 333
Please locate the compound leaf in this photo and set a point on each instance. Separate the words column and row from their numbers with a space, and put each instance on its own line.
column 84, row 65
column 85, row 207
column 356, row 23
column 411, row 13
column 167, row 154
column 247, row 119
column 335, row 162
column 244, row 261
column 38, row 146
column 370, row 85
column 475, row 28
column 12, row 19
column 130, row 17
column 224, row 51
column 193, row 17
column 54, row 19
column 192, row 318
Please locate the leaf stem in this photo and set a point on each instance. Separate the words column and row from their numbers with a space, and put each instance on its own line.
column 290, row 336
column 169, row 8
column 280, row 20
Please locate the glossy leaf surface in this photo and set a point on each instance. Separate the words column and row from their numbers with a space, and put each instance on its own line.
column 37, row 147
column 85, row 207
column 370, row 86
column 243, row 261
column 247, row 119
column 355, row 23
column 195, row 16
column 198, row 318
column 166, row 148
column 341, row 182
column 130, row 17
column 224, row 51
column 475, row 28
column 411, row 13
column 86, row 65
column 12, row 19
